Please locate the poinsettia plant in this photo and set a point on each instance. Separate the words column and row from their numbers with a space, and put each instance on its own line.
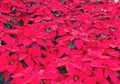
column 59, row 42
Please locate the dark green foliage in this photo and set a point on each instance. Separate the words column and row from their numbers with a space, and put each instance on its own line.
column 56, row 14
column 21, row 23
column 7, row 25
column 62, row 69
column 3, row 42
column 71, row 45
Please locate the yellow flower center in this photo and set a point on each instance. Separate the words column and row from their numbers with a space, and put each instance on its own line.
column 76, row 78
column 11, row 62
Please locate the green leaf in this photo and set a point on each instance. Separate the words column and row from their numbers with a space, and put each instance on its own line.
column 13, row 35
column 103, row 36
column 7, row 25
column 48, row 30
column 1, row 78
column 21, row 23
column 56, row 14
column 62, row 70
column 30, row 22
column 34, row 3
column 71, row 45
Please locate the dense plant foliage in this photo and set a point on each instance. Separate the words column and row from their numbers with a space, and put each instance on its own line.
column 59, row 42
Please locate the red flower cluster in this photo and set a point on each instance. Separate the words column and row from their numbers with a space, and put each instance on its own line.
column 60, row 41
